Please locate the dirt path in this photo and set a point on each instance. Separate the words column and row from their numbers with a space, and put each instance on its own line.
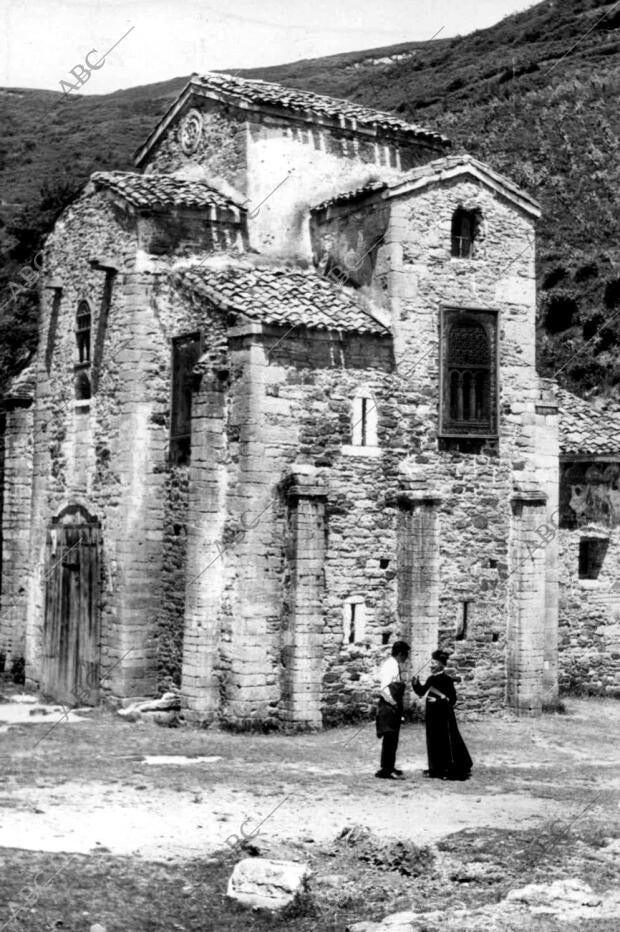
column 88, row 784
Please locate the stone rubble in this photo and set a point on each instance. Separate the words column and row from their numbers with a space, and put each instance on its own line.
column 268, row 884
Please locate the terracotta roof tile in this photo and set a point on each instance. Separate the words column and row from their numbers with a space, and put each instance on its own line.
column 585, row 429
column 351, row 115
column 162, row 191
column 431, row 172
column 291, row 297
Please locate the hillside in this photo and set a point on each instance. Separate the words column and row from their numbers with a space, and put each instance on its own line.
column 535, row 96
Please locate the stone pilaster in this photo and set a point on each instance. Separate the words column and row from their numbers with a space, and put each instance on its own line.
column 135, row 539
column 250, row 653
column 547, row 462
column 16, row 517
column 418, row 569
column 207, row 557
column 526, row 601
column 303, row 640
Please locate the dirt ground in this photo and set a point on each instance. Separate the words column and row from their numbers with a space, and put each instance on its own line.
column 135, row 827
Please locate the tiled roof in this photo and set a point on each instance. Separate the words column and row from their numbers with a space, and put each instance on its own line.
column 162, row 191
column 351, row 115
column 354, row 193
column 291, row 297
column 438, row 170
column 585, row 429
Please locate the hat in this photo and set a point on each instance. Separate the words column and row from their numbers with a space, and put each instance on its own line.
column 441, row 655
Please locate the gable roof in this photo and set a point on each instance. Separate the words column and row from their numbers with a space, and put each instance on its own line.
column 586, row 430
column 440, row 170
column 282, row 296
column 317, row 109
column 155, row 192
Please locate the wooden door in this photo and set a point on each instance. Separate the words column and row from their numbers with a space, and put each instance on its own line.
column 70, row 668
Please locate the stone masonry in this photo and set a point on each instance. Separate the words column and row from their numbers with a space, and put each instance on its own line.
column 298, row 416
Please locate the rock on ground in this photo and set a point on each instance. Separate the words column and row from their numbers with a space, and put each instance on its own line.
column 566, row 900
column 268, row 884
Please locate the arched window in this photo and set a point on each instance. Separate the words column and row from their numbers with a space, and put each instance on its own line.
column 82, row 332
column 468, row 374
column 186, row 351
column 465, row 233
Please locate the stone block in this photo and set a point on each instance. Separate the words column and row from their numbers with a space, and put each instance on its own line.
column 268, row 884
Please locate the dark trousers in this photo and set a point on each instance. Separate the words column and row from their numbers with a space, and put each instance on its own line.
column 389, row 747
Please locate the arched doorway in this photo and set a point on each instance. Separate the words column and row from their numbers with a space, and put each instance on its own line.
column 71, row 635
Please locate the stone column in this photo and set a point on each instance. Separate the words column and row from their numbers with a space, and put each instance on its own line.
column 418, row 570
column 303, row 641
column 207, row 557
column 526, row 601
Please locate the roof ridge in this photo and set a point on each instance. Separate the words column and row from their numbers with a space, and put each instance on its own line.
column 165, row 190
column 429, row 171
column 363, row 112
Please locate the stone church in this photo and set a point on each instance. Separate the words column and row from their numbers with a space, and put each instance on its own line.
column 284, row 410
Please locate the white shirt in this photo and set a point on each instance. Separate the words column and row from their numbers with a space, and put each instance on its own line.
column 389, row 672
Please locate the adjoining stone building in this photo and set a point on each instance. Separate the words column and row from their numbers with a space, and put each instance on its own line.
column 285, row 410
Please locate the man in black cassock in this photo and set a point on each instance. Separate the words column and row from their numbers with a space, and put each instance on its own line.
column 448, row 757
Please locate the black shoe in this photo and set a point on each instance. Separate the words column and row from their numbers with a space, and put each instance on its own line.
column 397, row 773
column 384, row 776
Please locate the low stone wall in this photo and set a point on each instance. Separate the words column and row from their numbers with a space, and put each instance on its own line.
column 589, row 624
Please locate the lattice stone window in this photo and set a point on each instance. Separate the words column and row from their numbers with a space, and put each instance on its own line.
column 468, row 373
column 465, row 233
column 354, row 621
column 185, row 354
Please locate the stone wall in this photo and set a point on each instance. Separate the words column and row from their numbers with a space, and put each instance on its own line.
column 290, row 405
column 110, row 453
column 589, row 623
column 280, row 166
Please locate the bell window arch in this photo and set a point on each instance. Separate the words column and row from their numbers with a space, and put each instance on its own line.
column 466, row 226
column 469, row 380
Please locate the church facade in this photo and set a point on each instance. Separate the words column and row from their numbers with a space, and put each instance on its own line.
column 285, row 411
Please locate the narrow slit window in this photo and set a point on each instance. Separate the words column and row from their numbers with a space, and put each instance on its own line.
column 352, row 624
column 364, row 425
column 354, row 621
column 463, row 621
column 364, row 419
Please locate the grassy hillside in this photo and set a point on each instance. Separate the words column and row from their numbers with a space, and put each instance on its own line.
column 535, row 96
